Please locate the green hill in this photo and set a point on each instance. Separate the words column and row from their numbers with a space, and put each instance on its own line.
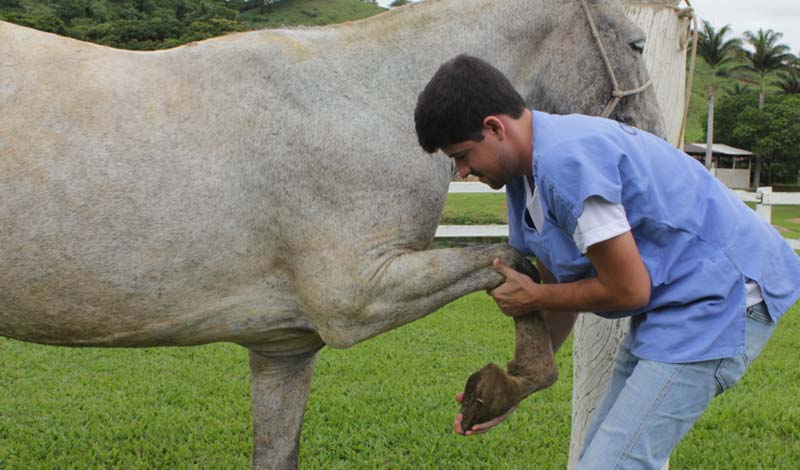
column 698, row 106
column 308, row 12
column 161, row 24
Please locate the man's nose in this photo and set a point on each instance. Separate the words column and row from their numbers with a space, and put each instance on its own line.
column 462, row 169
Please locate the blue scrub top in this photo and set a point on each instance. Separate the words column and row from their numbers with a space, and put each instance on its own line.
column 698, row 241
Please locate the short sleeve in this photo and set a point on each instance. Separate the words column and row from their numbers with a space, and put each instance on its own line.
column 577, row 170
column 599, row 221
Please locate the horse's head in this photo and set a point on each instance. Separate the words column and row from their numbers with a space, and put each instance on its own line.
column 570, row 75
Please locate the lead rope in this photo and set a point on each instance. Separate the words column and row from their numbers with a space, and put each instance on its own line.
column 616, row 93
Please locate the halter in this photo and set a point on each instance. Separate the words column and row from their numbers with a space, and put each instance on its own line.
column 616, row 93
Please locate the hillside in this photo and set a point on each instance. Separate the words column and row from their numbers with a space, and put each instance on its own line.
column 160, row 24
column 698, row 106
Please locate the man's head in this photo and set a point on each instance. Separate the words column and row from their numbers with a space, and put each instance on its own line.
column 472, row 113
column 456, row 100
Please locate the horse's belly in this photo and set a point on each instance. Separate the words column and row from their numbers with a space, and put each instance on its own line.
column 75, row 316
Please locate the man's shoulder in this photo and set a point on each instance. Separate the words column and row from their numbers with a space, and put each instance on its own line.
column 562, row 134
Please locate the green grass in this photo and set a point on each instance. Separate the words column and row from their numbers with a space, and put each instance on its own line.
column 115, row 408
column 386, row 403
column 475, row 209
column 757, row 423
column 786, row 219
column 479, row 209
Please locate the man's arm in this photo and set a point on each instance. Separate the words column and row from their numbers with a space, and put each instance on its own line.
column 622, row 283
column 558, row 323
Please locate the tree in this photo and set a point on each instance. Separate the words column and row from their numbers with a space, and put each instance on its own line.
column 729, row 108
column 775, row 133
column 10, row 4
column 738, row 89
column 789, row 79
column 767, row 56
column 43, row 22
column 772, row 132
column 716, row 51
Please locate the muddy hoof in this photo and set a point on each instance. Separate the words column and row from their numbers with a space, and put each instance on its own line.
column 489, row 393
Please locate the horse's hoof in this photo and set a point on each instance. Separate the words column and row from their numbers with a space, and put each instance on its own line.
column 489, row 393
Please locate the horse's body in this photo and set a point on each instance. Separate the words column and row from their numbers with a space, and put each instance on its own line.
column 263, row 188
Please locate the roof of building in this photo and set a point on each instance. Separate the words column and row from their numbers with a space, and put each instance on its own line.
column 719, row 149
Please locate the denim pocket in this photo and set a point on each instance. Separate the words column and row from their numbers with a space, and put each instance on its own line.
column 729, row 370
column 758, row 329
column 759, row 313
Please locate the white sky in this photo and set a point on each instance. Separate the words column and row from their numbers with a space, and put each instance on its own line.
column 782, row 16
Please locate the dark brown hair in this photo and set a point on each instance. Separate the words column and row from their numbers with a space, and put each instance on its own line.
column 460, row 95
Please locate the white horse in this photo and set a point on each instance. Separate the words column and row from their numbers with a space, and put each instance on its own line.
column 263, row 188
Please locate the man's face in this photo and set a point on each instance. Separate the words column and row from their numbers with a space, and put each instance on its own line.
column 487, row 160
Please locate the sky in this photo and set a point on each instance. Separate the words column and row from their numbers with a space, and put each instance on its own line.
column 780, row 15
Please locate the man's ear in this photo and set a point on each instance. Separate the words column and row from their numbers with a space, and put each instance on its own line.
column 494, row 125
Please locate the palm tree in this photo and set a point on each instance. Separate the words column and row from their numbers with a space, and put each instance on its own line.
column 789, row 82
column 738, row 89
column 789, row 79
column 767, row 56
column 716, row 51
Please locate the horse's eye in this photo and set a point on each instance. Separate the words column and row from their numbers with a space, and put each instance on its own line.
column 637, row 45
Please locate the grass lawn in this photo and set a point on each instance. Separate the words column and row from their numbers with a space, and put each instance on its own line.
column 386, row 403
column 786, row 219
column 477, row 209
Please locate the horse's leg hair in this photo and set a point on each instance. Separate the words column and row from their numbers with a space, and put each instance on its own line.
column 279, row 387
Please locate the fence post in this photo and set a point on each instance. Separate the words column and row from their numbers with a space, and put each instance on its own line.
column 763, row 205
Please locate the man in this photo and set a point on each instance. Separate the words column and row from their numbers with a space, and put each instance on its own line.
column 624, row 225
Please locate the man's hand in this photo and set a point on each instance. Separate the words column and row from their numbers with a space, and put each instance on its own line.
column 514, row 297
column 478, row 428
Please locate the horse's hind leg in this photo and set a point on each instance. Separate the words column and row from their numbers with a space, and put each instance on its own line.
column 279, row 387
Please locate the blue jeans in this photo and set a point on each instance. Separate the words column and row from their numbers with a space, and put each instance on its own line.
column 649, row 406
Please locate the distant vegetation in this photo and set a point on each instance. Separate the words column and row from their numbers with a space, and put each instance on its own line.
column 752, row 83
column 161, row 24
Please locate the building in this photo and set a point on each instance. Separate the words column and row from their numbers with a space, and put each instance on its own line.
column 729, row 164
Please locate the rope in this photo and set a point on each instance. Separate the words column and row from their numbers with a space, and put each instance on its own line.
column 683, row 43
column 616, row 93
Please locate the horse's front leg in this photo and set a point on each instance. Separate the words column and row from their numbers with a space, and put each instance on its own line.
column 405, row 288
column 279, row 387
column 413, row 285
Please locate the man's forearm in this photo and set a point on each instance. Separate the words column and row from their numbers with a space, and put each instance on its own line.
column 621, row 283
column 585, row 295
column 559, row 325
